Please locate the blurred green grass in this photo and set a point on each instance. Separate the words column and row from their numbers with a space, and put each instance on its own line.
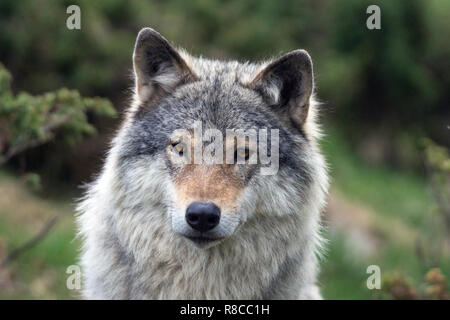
column 393, row 193
column 403, row 218
column 40, row 272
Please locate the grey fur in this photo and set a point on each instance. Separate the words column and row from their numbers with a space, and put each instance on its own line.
column 131, row 251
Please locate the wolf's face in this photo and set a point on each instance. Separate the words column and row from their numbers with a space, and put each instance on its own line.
column 216, row 143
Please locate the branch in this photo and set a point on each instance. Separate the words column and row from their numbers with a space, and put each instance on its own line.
column 14, row 254
column 48, row 135
column 438, row 195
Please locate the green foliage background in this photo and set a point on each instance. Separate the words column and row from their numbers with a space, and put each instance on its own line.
column 394, row 78
column 382, row 92
column 28, row 121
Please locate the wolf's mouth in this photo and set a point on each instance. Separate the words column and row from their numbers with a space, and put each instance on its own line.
column 203, row 241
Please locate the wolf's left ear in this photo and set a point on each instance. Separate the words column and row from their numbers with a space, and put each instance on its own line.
column 287, row 84
column 158, row 66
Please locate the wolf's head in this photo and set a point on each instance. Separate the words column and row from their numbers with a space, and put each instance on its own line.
column 218, row 144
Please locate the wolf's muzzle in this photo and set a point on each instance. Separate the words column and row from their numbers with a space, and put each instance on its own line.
column 203, row 216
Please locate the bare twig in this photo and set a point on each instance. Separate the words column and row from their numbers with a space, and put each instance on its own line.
column 14, row 254
column 438, row 195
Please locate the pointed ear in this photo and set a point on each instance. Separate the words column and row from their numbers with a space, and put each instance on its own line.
column 287, row 84
column 158, row 67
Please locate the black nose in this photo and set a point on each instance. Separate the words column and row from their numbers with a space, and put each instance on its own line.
column 203, row 216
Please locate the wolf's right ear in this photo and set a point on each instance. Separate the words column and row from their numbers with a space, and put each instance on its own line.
column 158, row 67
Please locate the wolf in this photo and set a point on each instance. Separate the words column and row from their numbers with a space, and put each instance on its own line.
column 154, row 227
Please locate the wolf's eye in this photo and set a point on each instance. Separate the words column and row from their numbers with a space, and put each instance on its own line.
column 242, row 153
column 179, row 148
